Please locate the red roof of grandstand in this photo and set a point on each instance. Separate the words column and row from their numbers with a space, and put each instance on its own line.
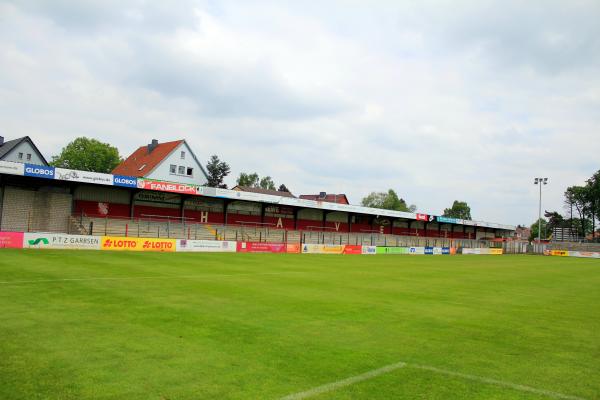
column 145, row 158
column 330, row 198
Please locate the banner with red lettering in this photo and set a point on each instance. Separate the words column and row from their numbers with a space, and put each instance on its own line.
column 352, row 249
column 167, row 186
column 255, row 247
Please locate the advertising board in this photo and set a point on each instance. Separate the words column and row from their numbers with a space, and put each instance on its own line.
column 11, row 240
column 369, row 250
column 138, row 244
column 446, row 250
column 422, row 217
column 60, row 241
column 447, row 220
column 206, row 246
column 293, row 248
column 353, row 249
column 39, row 171
column 416, row 250
column 391, row 250
column 256, row 247
column 428, row 250
column 83, row 176
column 13, row 168
column 495, row 251
column 125, row 181
column 585, row 254
column 560, row 253
column 322, row 249
column 167, row 186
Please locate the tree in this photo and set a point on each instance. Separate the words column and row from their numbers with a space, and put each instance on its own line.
column 534, row 229
column 88, row 155
column 283, row 188
column 249, row 180
column 217, row 171
column 459, row 209
column 387, row 201
column 267, row 183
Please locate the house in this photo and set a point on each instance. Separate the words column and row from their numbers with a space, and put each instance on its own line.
column 262, row 191
column 170, row 161
column 323, row 196
column 21, row 150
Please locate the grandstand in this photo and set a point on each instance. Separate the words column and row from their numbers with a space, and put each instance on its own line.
column 39, row 201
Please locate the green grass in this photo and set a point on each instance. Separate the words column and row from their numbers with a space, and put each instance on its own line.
column 262, row 326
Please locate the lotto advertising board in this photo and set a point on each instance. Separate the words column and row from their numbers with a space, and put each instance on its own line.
column 11, row 240
column 138, row 244
column 13, row 168
column 256, row 247
column 83, row 176
column 391, row 250
column 322, row 249
column 206, row 246
column 60, row 241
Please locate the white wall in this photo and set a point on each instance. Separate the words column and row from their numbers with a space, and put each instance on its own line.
column 163, row 170
column 25, row 148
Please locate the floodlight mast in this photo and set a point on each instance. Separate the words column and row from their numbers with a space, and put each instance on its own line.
column 539, row 181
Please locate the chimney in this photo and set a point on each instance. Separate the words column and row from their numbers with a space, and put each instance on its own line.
column 1, row 140
column 152, row 145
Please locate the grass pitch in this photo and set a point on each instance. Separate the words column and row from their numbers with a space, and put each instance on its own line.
column 104, row 325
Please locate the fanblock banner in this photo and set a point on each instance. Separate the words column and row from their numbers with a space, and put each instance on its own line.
column 206, row 246
column 11, row 240
column 322, row 249
column 256, row 247
column 138, row 244
column 60, row 241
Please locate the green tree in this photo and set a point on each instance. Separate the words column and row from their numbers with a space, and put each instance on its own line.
column 88, row 155
column 386, row 200
column 249, row 180
column 283, row 188
column 459, row 209
column 217, row 171
column 267, row 183
column 534, row 229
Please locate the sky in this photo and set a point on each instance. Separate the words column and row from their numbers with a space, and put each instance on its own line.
column 438, row 100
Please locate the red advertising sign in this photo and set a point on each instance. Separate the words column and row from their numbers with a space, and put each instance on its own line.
column 422, row 217
column 352, row 249
column 254, row 247
column 293, row 248
column 12, row 240
column 167, row 186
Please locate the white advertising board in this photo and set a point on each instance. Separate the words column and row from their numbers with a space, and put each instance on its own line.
column 83, row 176
column 416, row 250
column 322, row 248
column 585, row 254
column 13, row 168
column 206, row 246
column 60, row 241
column 369, row 250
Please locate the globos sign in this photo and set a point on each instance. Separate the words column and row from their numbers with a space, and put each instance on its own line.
column 39, row 171
column 125, row 181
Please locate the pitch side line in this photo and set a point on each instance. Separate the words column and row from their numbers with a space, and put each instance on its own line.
column 392, row 367
column 147, row 277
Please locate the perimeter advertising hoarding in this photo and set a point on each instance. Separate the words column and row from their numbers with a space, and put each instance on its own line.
column 125, row 181
column 447, row 220
column 83, row 176
column 322, row 249
column 138, row 244
column 13, row 168
column 370, row 250
column 256, row 247
column 353, row 249
column 60, row 241
column 11, row 240
column 39, row 171
column 206, row 246
column 293, row 248
column 482, row 251
column 560, row 253
column 586, row 254
column 392, row 250
column 422, row 217
column 416, row 250
column 167, row 186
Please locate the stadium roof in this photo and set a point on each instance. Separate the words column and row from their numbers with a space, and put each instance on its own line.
column 150, row 156
column 262, row 191
column 331, row 198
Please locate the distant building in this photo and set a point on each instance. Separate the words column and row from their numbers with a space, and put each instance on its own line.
column 21, row 150
column 262, row 191
column 323, row 196
column 522, row 233
column 169, row 161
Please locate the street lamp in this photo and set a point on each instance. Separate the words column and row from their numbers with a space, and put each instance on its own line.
column 540, row 181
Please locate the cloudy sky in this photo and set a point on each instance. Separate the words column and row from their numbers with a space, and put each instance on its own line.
column 439, row 100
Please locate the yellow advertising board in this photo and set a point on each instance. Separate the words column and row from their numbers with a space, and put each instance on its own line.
column 496, row 251
column 323, row 248
column 561, row 253
column 137, row 244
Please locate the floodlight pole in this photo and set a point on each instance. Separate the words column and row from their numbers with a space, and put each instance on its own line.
column 539, row 181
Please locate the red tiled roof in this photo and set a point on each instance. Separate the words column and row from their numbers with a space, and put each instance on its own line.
column 131, row 166
column 330, row 198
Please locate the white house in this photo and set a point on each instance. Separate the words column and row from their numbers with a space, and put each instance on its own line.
column 170, row 161
column 21, row 150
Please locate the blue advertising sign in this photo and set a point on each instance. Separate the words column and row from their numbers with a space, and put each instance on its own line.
column 445, row 250
column 39, row 171
column 428, row 250
column 126, row 181
column 447, row 220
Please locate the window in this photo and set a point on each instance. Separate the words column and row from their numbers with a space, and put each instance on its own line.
column 28, row 157
column 173, row 169
column 183, row 155
column 190, row 171
column 181, row 170
column 20, row 156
